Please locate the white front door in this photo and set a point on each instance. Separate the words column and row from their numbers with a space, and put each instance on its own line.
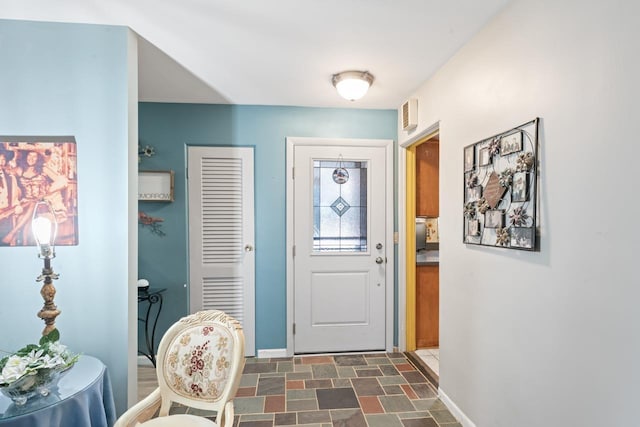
column 221, row 234
column 340, row 239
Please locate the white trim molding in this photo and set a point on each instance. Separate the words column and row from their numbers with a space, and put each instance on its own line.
column 455, row 411
column 268, row 353
column 418, row 136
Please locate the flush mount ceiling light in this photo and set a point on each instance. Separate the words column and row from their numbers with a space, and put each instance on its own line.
column 352, row 85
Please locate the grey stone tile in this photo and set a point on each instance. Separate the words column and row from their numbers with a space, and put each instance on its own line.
column 281, row 359
column 443, row 416
column 285, row 419
column 416, row 414
column 348, row 418
column 248, row 405
column 367, row 387
column 298, row 376
column 350, row 360
column 270, row 386
column 309, row 417
column 438, row 405
column 396, row 356
column 419, row 422
column 451, row 425
column 379, row 361
column 368, row 372
column 273, row 375
column 259, row 368
column 301, row 368
column 249, row 380
column 200, row 412
column 253, row 360
column 256, row 417
column 255, row 424
column 414, row 377
column 424, row 391
column 393, row 389
column 389, row 370
column 396, row 403
column 383, row 420
column 346, row 372
column 392, row 380
column 285, row 366
column 428, row 404
column 326, row 383
column 178, row 409
column 337, row 398
column 341, row 382
column 301, row 394
column 324, row 371
column 302, row 405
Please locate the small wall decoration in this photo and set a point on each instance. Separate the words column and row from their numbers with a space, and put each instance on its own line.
column 35, row 168
column 500, row 189
column 155, row 186
column 154, row 223
column 147, row 151
column 432, row 230
column 469, row 158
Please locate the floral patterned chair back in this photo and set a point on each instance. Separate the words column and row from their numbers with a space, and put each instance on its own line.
column 200, row 362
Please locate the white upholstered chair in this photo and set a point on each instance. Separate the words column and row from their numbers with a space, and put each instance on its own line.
column 199, row 365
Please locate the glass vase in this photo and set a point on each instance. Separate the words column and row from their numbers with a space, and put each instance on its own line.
column 37, row 384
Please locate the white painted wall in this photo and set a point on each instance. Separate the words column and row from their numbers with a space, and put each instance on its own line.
column 549, row 338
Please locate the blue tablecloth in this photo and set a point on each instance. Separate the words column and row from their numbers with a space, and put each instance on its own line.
column 84, row 399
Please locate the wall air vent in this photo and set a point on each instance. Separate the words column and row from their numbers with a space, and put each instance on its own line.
column 410, row 114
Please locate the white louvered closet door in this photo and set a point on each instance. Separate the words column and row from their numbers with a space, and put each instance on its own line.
column 221, row 234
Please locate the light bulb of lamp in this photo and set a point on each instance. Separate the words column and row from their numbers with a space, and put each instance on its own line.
column 352, row 85
column 44, row 228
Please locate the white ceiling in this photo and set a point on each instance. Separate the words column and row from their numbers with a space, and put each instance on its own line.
column 278, row 52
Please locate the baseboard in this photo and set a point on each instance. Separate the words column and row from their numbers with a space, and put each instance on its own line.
column 455, row 411
column 144, row 361
column 272, row 352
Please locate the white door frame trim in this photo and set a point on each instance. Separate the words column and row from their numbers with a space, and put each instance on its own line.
column 402, row 228
column 389, row 273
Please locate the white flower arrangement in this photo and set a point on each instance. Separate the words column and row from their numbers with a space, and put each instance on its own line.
column 48, row 355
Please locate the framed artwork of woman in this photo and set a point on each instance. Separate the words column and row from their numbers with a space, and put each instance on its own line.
column 34, row 169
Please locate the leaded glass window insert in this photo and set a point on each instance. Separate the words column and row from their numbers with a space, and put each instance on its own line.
column 339, row 210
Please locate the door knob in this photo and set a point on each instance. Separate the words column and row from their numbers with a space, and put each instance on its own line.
column 379, row 260
column 248, row 248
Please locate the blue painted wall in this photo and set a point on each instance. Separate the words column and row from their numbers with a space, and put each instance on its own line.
column 61, row 79
column 170, row 128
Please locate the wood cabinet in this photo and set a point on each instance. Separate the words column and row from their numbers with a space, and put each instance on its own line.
column 427, row 306
column 427, row 179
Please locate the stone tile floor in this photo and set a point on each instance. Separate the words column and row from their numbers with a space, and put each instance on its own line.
column 370, row 390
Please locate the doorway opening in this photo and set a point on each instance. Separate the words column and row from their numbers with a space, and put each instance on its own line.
column 422, row 254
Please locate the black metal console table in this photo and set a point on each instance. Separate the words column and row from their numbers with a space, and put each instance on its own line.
column 152, row 297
